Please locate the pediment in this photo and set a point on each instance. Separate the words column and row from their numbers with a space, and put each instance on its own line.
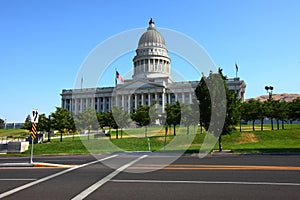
column 135, row 84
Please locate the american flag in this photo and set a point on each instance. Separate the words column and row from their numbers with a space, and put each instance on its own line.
column 118, row 76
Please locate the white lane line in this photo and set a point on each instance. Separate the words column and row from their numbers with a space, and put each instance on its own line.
column 5, row 194
column 207, row 182
column 17, row 179
column 101, row 182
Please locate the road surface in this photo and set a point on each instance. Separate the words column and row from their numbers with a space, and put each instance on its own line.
column 145, row 176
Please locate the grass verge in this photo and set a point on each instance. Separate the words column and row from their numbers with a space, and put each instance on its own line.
column 267, row 141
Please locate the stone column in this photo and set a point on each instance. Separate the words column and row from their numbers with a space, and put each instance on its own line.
column 86, row 103
column 156, row 99
column 75, row 106
column 176, row 97
column 129, row 104
column 96, row 103
column 149, row 99
column 116, row 102
column 190, row 94
column 135, row 101
column 163, row 101
column 81, row 105
column 93, row 102
column 103, row 105
column 109, row 99
column 63, row 103
column 123, row 101
column 183, row 97
column 142, row 99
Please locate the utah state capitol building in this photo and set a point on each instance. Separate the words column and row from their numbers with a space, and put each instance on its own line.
column 151, row 82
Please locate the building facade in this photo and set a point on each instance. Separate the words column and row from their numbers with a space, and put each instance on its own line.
column 151, row 82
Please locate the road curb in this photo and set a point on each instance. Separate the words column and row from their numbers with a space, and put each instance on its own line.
column 16, row 164
column 37, row 164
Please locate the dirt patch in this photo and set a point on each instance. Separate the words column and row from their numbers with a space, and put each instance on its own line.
column 247, row 137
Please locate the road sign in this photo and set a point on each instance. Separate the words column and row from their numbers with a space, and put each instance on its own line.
column 33, row 131
column 35, row 116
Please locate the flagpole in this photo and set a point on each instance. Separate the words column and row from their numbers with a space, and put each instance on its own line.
column 236, row 70
column 116, row 77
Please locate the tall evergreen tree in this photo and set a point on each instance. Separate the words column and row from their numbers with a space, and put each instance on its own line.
column 209, row 98
column 2, row 123
column 27, row 123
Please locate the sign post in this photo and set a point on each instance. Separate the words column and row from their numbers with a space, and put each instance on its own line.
column 34, row 121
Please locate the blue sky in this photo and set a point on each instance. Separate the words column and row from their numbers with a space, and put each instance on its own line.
column 44, row 43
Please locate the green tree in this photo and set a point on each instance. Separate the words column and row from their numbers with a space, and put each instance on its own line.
column 187, row 116
column 253, row 112
column 173, row 112
column 106, row 119
column 62, row 121
column 1, row 123
column 43, row 124
column 87, row 120
column 261, row 113
column 294, row 109
column 141, row 116
column 212, row 99
column 27, row 123
column 280, row 112
column 196, row 114
column 270, row 111
column 121, row 118
column 243, row 114
column 103, row 119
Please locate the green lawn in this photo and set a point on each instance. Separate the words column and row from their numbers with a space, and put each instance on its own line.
column 13, row 132
column 263, row 141
column 287, row 140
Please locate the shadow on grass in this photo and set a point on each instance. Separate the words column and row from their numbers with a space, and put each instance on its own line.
column 261, row 150
column 268, row 150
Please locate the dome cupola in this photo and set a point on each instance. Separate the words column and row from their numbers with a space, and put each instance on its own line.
column 152, row 60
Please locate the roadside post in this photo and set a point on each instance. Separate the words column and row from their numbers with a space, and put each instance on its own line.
column 34, row 120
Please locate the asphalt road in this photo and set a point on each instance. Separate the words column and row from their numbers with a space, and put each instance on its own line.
column 142, row 176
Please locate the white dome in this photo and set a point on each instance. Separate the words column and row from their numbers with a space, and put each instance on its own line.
column 151, row 38
column 152, row 61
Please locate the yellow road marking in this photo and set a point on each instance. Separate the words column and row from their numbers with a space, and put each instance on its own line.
column 212, row 167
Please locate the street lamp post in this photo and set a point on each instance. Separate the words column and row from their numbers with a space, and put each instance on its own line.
column 269, row 91
column 49, row 128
